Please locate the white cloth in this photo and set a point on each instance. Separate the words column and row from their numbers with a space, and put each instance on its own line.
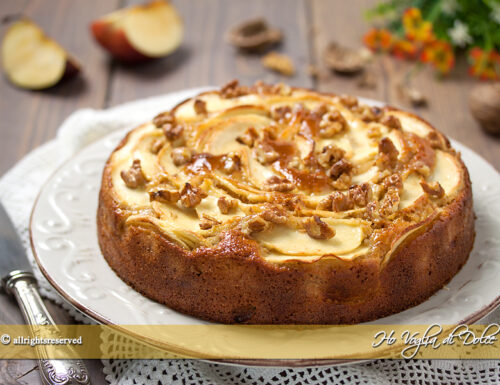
column 19, row 188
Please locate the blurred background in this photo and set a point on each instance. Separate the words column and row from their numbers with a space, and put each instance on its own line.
column 29, row 118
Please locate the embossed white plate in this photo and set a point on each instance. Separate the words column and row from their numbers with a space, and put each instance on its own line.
column 64, row 241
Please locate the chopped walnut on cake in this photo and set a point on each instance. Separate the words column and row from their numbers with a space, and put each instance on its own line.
column 434, row 189
column 275, row 183
column 318, row 229
column 157, row 145
column 233, row 90
column 191, row 196
column 349, row 101
column 253, row 224
column 265, row 153
column 164, row 195
column 249, row 137
column 134, row 177
column 207, row 222
column 360, row 194
column 331, row 124
column 181, row 155
column 231, row 163
column 200, row 107
column 330, row 155
column 226, row 205
column 275, row 214
column 391, row 121
column 388, row 154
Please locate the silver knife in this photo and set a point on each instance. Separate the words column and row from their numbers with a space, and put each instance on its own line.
column 18, row 280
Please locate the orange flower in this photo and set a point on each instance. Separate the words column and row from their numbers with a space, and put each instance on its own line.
column 440, row 54
column 415, row 27
column 378, row 39
column 485, row 64
column 404, row 49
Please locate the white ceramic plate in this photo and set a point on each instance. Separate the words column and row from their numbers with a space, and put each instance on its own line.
column 64, row 241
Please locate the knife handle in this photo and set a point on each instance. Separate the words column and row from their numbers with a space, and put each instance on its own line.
column 68, row 372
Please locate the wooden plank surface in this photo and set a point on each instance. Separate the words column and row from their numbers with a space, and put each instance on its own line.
column 346, row 30
column 31, row 118
column 205, row 57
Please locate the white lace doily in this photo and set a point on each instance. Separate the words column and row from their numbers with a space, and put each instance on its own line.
column 18, row 190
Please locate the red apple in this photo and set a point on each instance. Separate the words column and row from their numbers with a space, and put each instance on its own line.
column 32, row 60
column 140, row 32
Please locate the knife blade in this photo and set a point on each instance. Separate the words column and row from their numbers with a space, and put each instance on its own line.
column 18, row 280
column 13, row 257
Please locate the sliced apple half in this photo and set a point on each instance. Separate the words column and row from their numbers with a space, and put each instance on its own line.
column 140, row 32
column 32, row 60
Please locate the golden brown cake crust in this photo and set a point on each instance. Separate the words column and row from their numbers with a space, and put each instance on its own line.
column 232, row 283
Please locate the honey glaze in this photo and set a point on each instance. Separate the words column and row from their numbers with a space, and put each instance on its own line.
column 311, row 179
column 205, row 164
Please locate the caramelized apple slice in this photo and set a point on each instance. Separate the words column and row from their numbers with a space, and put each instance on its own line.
column 140, row 32
column 32, row 60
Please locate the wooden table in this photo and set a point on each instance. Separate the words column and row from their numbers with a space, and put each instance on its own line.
column 29, row 119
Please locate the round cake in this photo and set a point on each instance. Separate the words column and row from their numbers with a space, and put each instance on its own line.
column 268, row 204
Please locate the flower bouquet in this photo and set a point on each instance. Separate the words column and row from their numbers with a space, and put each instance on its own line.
column 434, row 31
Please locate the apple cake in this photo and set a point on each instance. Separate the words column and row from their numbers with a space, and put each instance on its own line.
column 268, row 204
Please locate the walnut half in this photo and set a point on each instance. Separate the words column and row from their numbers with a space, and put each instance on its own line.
column 248, row 137
column 231, row 163
column 191, row 196
column 433, row 189
column 389, row 205
column 318, row 229
column 181, row 155
column 233, row 90
column 392, row 122
column 134, row 177
column 200, row 107
column 164, row 195
column 437, row 141
column 275, row 183
column 265, row 154
column 330, row 155
column 360, row 194
column 254, row 34
column 207, row 222
column 348, row 101
column 340, row 167
column 370, row 114
column 226, row 205
column 253, row 224
column 331, row 124
column 275, row 214
column 337, row 201
column 157, row 145
column 174, row 134
column 386, row 209
column 388, row 154
column 163, row 119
